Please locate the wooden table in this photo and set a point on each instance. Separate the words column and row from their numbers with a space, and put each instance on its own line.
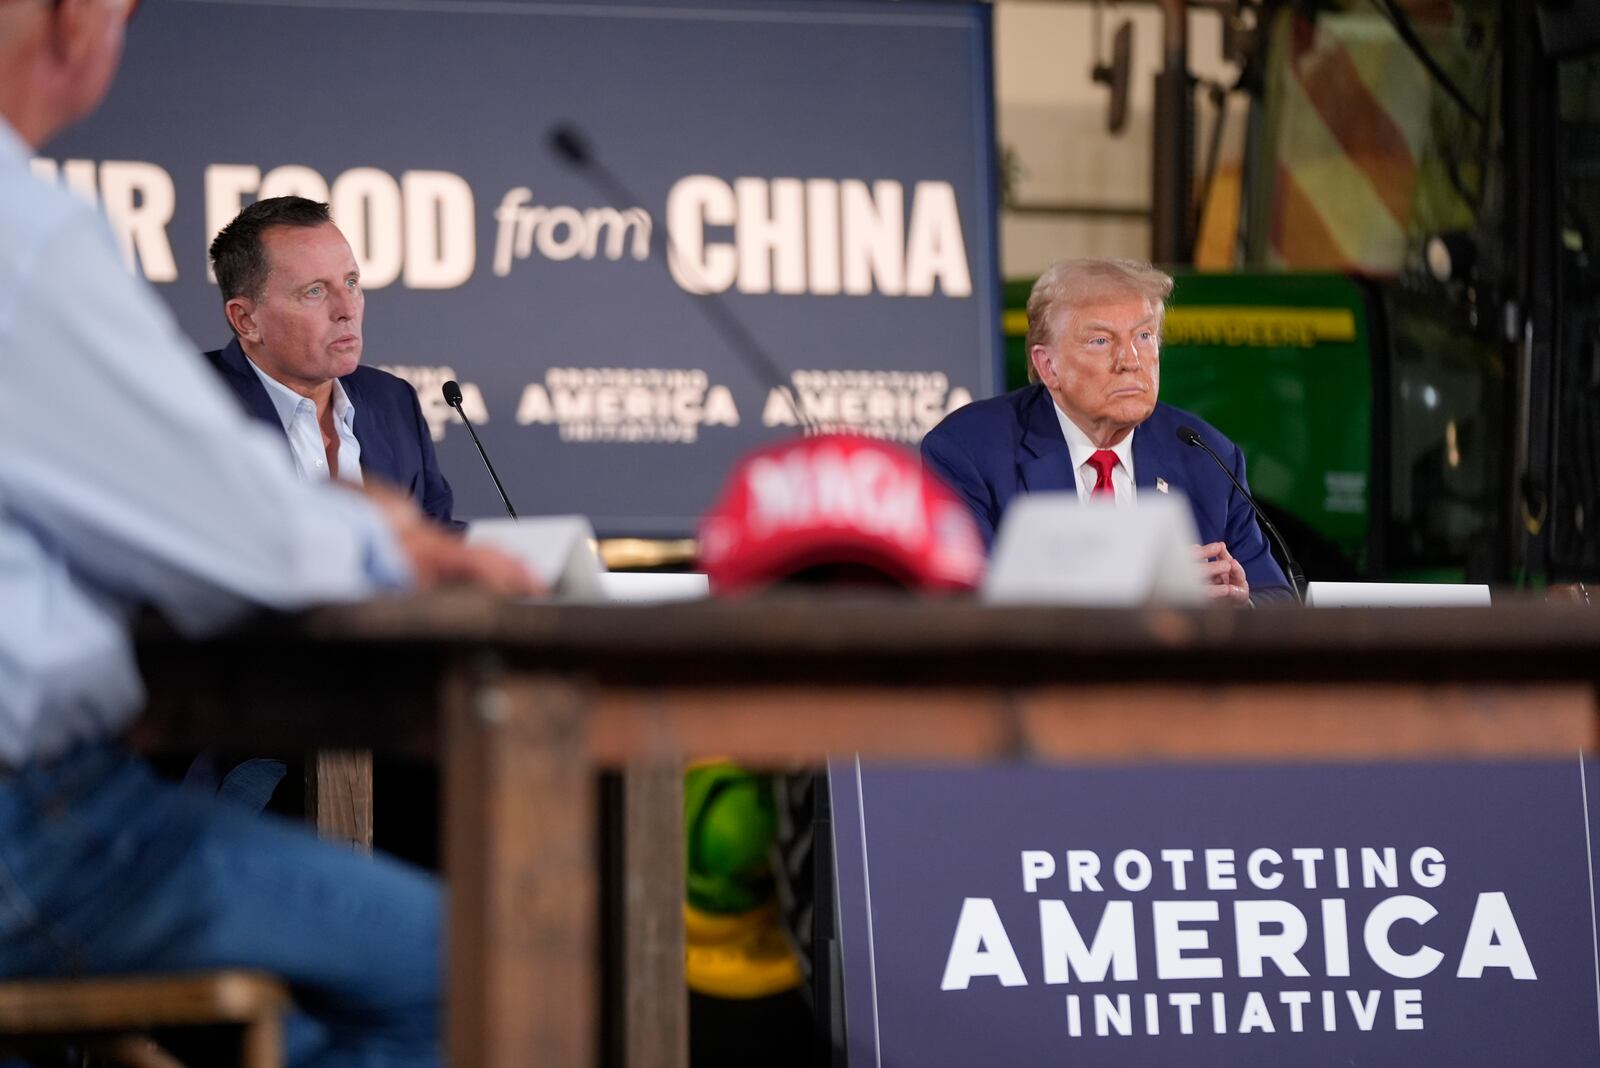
column 522, row 703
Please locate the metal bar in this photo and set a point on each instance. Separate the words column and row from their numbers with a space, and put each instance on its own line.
column 1172, row 158
column 1067, row 207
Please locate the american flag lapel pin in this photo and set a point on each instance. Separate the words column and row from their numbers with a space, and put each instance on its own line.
column 1161, row 485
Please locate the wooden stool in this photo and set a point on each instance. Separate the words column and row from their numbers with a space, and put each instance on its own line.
column 110, row 1018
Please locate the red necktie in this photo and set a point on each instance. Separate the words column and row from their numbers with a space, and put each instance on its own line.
column 1103, row 461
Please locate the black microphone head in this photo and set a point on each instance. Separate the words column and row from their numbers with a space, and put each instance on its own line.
column 568, row 143
column 452, row 394
column 1188, row 435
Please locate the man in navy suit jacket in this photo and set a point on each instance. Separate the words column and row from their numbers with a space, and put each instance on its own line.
column 1091, row 423
column 291, row 291
column 292, row 294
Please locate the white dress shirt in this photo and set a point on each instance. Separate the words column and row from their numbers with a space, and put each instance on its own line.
column 299, row 418
column 1078, row 443
column 130, row 476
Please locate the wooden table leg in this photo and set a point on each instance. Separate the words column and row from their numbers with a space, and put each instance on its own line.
column 519, row 854
column 654, row 995
column 339, row 795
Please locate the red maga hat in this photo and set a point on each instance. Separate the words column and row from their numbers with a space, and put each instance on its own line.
column 838, row 501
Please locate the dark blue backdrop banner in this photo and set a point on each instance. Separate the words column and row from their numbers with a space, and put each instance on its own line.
column 823, row 169
column 1320, row 915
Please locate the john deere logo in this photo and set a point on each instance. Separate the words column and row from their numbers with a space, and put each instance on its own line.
column 1263, row 327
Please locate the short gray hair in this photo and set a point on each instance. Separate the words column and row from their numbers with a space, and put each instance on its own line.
column 1068, row 284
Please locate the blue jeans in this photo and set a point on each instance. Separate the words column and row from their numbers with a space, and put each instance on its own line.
column 250, row 783
column 106, row 869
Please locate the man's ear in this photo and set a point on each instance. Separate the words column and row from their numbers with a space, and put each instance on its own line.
column 72, row 29
column 1043, row 369
column 241, row 313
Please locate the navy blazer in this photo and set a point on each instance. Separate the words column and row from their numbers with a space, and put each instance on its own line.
column 395, row 444
column 992, row 450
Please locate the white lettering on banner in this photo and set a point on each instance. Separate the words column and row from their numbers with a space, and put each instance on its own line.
column 1408, row 1010
column 138, row 199
column 1219, row 870
column 226, row 186
column 1256, row 945
column 1335, row 938
column 817, row 236
column 1427, row 867
column 785, row 236
column 1114, row 1013
column 1365, row 1010
column 627, row 404
column 1178, row 859
column 441, row 236
column 1083, row 869
column 980, row 948
column 892, row 405
column 1132, row 870
column 1172, row 938
column 1064, row 950
column 1494, row 941
column 1036, row 864
column 1376, row 935
column 562, row 233
column 429, row 384
column 366, row 201
column 418, row 229
column 770, row 235
column 1379, row 867
column 1256, row 866
column 1399, row 934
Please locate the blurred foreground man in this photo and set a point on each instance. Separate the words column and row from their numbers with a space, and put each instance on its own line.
column 128, row 478
column 1092, row 423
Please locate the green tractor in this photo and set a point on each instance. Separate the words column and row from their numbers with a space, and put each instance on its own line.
column 1388, row 299
column 1371, row 428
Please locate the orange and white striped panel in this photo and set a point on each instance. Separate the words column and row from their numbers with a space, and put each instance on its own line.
column 1352, row 122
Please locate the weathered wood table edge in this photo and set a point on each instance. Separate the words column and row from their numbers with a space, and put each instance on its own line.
column 521, row 703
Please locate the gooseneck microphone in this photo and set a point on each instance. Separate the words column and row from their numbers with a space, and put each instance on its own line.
column 1297, row 578
column 452, row 397
column 569, row 144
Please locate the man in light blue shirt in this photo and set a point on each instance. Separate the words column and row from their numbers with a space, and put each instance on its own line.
column 127, row 478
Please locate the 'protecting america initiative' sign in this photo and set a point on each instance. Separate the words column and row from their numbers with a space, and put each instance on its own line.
column 1343, row 914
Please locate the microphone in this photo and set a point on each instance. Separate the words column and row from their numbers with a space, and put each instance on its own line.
column 569, row 144
column 452, row 397
column 1297, row 578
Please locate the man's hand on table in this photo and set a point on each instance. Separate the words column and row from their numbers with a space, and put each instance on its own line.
column 440, row 557
column 1225, row 579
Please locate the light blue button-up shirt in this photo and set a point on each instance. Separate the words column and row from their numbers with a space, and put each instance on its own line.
column 129, row 476
column 299, row 418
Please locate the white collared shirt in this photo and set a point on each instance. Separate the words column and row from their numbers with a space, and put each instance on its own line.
column 1081, row 448
column 299, row 418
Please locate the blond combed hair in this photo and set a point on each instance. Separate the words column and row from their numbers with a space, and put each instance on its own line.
column 1069, row 284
